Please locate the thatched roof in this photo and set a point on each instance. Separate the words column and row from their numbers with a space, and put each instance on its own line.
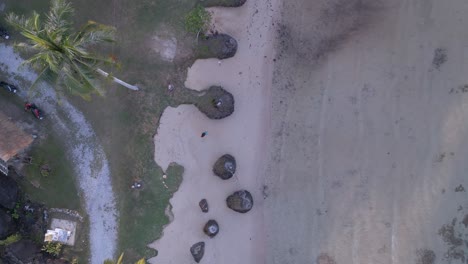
column 12, row 138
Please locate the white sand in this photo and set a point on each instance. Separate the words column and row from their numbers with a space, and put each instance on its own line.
column 248, row 77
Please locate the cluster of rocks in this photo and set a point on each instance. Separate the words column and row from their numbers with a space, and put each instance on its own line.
column 217, row 103
column 240, row 201
column 19, row 216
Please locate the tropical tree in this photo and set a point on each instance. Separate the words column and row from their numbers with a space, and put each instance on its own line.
column 120, row 261
column 62, row 55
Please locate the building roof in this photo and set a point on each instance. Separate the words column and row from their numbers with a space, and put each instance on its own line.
column 12, row 138
column 57, row 235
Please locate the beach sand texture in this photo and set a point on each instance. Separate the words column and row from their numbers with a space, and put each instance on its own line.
column 352, row 142
column 248, row 77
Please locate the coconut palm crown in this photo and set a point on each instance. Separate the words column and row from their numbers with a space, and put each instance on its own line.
column 60, row 54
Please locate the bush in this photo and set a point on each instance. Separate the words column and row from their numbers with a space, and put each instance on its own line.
column 197, row 20
column 52, row 248
column 10, row 240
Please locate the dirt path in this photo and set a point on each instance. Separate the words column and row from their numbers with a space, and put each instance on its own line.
column 369, row 131
column 87, row 154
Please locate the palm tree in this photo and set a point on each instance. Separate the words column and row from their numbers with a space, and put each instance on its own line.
column 60, row 54
column 120, row 261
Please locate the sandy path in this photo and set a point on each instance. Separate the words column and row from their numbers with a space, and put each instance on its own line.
column 369, row 142
column 248, row 77
column 87, row 155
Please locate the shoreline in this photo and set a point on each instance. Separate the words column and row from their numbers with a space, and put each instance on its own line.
column 248, row 76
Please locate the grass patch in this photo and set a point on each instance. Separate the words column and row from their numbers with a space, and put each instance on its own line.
column 197, row 20
column 57, row 189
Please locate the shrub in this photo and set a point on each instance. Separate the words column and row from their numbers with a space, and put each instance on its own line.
column 52, row 248
column 10, row 240
column 197, row 20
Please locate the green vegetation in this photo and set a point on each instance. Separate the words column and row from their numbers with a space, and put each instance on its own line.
column 57, row 189
column 10, row 240
column 52, row 248
column 15, row 213
column 124, row 122
column 60, row 55
column 197, row 20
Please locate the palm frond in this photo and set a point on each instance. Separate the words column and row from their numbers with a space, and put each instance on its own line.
column 120, row 260
column 58, row 19
column 45, row 75
column 31, row 25
column 86, row 78
column 92, row 33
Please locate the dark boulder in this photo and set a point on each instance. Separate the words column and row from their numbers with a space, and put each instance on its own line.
column 204, row 205
column 6, row 225
column 225, row 167
column 211, row 228
column 216, row 103
column 240, row 201
column 221, row 46
column 197, row 251
column 9, row 192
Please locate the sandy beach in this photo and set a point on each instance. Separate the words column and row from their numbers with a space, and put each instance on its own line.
column 348, row 130
column 248, row 77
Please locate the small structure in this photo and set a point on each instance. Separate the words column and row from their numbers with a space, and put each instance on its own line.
column 13, row 140
column 61, row 231
column 57, row 235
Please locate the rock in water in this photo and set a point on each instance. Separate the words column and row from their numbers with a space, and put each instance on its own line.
column 225, row 167
column 197, row 251
column 240, row 201
column 211, row 228
column 8, row 192
column 204, row 205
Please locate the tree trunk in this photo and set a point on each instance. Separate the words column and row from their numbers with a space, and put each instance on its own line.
column 129, row 86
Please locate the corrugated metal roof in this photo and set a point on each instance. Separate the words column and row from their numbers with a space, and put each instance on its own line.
column 12, row 138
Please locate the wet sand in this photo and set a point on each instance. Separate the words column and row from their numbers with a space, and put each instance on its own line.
column 369, row 133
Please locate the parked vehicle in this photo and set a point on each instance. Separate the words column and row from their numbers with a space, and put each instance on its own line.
column 4, row 33
column 34, row 110
column 9, row 87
